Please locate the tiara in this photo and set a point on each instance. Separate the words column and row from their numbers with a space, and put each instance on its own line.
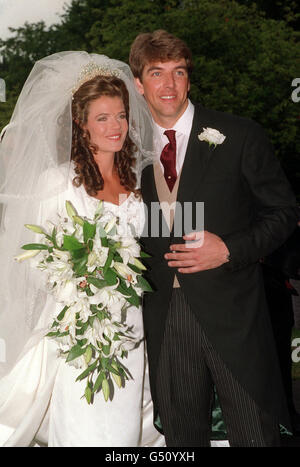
column 91, row 70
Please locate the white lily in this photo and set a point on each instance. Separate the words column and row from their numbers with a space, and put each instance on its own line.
column 82, row 306
column 129, row 249
column 125, row 272
column 66, row 292
column 98, row 256
column 108, row 296
column 94, row 334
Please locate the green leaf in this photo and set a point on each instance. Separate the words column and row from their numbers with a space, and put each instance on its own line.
column 99, row 283
column 110, row 276
column 75, row 352
column 78, row 254
column 134, row 300
column 113, row 369
column 144, row 284
column 52, row 334
column 102, row 315
column 99, row 381
column 106, row 349
column 134, row 268
column 34, row 246
column 89, row 231
column 62, row 313
column 94, row 308
column 145, row 255
column 53, row 237
column 108, row 261
column 104, row 362
column 57, row 334
column 79, row 265
column 71, row 243
column 87, row 371
column 122, row 288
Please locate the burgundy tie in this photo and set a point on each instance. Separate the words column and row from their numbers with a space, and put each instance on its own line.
column 168, row 159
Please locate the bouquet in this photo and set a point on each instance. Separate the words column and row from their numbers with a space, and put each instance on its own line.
column 95, row 273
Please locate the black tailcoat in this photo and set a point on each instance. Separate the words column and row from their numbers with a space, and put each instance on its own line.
column 249, row 204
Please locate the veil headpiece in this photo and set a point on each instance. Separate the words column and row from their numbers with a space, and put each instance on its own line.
column 38, row 139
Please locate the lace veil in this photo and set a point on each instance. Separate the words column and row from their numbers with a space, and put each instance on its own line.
column 38, row 139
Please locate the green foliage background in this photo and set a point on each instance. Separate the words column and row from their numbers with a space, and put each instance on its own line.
column 245, row 55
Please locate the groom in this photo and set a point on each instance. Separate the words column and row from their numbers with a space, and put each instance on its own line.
column 206, row 323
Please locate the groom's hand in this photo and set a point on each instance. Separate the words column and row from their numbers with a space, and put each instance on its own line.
column 203, row 250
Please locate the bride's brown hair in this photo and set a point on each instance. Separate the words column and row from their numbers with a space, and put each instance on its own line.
column 86, row 169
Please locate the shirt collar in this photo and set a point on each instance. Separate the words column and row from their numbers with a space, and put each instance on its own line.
column 183, row 124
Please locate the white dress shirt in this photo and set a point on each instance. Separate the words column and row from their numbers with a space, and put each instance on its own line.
column 183, row 128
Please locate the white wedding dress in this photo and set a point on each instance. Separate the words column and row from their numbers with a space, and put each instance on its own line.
column 40, row 402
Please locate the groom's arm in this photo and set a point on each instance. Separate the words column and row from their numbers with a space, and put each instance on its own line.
column 274, row 208
column 274, row 204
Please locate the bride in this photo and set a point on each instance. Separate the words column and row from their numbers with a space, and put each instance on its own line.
column 79, row 133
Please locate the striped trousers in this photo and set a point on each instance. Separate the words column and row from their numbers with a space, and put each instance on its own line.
column 189, row 367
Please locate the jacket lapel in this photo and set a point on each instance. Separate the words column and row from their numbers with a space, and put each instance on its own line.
column 196, row 160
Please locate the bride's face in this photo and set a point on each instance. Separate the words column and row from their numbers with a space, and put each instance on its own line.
column 107, row 124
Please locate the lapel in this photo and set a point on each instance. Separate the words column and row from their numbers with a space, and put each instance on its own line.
column 196, row 160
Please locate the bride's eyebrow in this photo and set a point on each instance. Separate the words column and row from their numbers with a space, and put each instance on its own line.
column 105, row 114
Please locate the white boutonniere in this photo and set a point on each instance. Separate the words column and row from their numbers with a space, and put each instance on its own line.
column 211, row 136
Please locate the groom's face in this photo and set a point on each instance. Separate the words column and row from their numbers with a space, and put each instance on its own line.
column 165, row 86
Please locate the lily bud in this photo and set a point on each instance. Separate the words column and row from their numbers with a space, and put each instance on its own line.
column 109, row 225
column 99, row 209
column 122, row 269
column 70, row 210
column 92, row 258
column 28, row 254
column 139, row 265
column 88, row 354
column 105, row 389
column 116, row 378
column 88, row 394
column 35, row 228
column 78, row 220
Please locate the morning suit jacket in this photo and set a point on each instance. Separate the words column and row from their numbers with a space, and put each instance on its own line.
column 249, row 204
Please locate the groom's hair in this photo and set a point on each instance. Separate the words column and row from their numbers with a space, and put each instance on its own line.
column 157, row 46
